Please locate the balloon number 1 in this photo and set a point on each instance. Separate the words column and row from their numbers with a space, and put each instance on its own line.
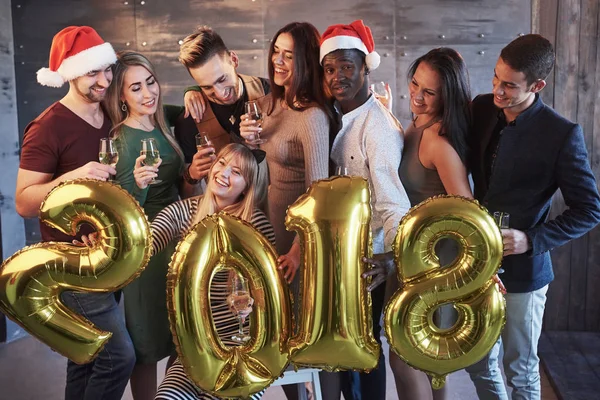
column 333, row 220
column 466, row 282
column 33, row 279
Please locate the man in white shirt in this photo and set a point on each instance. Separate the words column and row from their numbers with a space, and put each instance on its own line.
column 368, row 144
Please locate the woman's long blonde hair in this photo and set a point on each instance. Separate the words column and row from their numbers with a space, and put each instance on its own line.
column 126, row 59
column 244, row 207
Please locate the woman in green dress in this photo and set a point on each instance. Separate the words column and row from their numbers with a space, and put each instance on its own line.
column 135, row 108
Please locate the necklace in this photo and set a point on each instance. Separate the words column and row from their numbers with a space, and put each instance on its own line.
column 232, row 117
column 142, row 124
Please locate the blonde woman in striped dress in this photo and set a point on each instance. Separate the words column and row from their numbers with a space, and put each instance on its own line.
column 231, row 187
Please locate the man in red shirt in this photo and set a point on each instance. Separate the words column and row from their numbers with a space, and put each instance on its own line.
column 61, row 144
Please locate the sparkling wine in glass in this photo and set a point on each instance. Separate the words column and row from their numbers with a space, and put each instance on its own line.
column 202, row 141
column 108, row 154
column 254, row 112
column 379, row 89
column 150, row 150
column 503, row 220
column 240, row 302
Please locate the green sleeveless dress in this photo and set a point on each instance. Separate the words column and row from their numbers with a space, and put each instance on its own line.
column 145, row 300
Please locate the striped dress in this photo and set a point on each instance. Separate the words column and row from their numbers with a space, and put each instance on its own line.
column 171, row 224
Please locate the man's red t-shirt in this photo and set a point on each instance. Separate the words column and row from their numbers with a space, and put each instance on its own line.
column 56, row 142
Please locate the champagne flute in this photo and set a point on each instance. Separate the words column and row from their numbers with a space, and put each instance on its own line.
column 254, row 112
column 150, row 150
column 379, row 90
column 502, row 219
column 240, row 302
column 108, row 154
column 203, row 141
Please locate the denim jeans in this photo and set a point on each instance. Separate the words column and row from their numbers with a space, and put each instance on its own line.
column 362, row 385
column 106, row 377
column 524, row 314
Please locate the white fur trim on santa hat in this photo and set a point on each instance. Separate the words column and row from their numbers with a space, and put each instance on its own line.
column 85, row 61
column 372, row 60
column 47, row 77
column 341, row 42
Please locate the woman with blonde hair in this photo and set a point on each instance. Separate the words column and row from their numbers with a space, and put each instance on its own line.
column 231, row 187
column 135, row 108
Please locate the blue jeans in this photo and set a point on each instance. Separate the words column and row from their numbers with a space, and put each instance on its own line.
column 524, row 314
column 362, row 385
column 106, row 377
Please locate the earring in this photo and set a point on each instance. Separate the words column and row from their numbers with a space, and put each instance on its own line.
column 124, row 107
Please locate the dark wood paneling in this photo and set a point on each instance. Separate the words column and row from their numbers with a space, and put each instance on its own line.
column 572, row 26
column 161, row 24
column 461, row 22
column 545, row 13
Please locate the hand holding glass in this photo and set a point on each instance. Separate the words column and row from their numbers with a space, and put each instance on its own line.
column 203, row 141
column 379, row 89
column 240, row 302
column 502, row 219
column 255, row 113
column 150, row 150
column 108, row 154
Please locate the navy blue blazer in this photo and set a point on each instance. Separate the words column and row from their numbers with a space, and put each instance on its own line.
column 541, row 153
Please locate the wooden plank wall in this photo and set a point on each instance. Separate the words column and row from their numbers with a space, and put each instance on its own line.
column 574, row 91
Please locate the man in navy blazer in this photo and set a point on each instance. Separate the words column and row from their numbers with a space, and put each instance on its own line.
column 522, row 152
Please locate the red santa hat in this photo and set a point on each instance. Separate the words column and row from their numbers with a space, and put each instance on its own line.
column 76, row 51
column 354, row 36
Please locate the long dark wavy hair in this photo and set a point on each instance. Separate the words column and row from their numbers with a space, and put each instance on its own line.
column 455, row 109
column 306, row 88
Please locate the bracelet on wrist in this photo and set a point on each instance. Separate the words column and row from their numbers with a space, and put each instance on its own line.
column 188, row 178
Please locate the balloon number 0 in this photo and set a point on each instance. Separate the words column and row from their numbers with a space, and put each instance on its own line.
column 466, row 282
column 33, row 279
column 216, row 242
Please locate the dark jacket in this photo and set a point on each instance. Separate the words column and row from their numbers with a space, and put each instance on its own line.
column 541, row 153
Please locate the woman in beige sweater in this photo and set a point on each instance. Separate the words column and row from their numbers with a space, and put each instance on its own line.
column 295, row 128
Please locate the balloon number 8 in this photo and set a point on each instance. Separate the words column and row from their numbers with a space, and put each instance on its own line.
column 33, row 279
column 466, row 282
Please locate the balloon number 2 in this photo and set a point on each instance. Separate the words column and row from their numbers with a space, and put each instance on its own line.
column 33, row 279
column 466, row 282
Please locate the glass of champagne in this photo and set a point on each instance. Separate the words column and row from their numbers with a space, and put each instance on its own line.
column 202, row 141
column 150, row 150
column 254, row 112
column 108, row 154
column 379, row 90
column 240, row 302
column 502, row 219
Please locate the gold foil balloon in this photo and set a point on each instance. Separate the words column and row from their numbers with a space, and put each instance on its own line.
column 466, row 282
column 32, row 279
column 217, row 242
column 335, row 327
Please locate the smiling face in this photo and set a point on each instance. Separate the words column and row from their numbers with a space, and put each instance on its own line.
column 425, row 90
column 226, row 181
column 283, row 60
column 345, row 77
column 511, row 91
column 140, row 91
column 218, row 78
column 92, row 86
